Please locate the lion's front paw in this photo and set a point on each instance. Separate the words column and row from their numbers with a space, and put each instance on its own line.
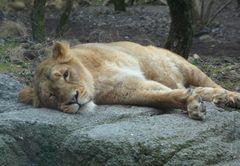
column 69, row 108
column 196, row 108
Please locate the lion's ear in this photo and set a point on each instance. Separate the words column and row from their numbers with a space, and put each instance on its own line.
column 61, row 51
column 27, row 96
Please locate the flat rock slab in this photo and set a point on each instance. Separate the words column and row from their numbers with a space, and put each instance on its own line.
column 113, row 135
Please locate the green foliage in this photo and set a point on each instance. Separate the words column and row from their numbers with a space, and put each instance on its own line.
column 9, row 68
column 6, row 46
column 2, row 4
column 225, row 74
column 7, row 65
column 4, row 67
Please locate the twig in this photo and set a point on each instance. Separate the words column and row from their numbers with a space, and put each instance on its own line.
column 218, row 11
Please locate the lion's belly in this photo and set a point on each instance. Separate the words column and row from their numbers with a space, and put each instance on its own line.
column 164, row 71
column 113, row 75
column 156, row 64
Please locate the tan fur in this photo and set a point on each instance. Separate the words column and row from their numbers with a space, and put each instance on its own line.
column 122, row 73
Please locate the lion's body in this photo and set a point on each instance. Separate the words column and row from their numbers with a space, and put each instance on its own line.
column 123, row 73
column 125, row 59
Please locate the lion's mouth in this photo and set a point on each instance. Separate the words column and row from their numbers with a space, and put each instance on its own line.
column 75, row 101
column 79, row 104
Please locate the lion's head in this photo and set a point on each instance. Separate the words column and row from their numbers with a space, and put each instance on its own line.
column 60, row 82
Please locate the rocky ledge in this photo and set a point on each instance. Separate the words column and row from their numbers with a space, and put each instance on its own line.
column 113, row 135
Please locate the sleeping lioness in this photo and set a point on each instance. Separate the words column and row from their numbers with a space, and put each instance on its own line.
column 122, row 73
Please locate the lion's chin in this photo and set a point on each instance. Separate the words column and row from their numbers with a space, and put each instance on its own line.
column 87, row 109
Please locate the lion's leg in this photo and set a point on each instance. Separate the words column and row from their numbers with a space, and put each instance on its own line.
column 219, row 96
column 209, row 90
column 151, row 93
column 195, row 77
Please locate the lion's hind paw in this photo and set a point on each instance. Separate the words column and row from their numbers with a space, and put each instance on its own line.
column 234, row 100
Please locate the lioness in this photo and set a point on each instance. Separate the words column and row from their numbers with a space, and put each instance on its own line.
column 122, row 73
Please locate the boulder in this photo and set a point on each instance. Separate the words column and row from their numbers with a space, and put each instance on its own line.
column 113, row 135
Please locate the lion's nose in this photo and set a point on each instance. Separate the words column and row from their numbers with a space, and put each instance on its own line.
column 76, row 95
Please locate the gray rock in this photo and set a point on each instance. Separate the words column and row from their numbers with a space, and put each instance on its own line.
column 114, row 135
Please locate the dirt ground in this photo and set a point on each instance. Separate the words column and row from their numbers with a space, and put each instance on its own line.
column 217, row 45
